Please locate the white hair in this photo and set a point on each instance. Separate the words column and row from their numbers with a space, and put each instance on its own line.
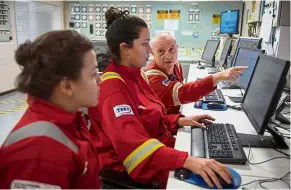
column 161, row 35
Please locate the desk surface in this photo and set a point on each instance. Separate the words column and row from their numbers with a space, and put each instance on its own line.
column 276, row 168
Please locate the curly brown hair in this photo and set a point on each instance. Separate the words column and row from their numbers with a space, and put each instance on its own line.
column 49, row 59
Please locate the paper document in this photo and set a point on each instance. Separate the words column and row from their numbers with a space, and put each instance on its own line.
column 266, row 28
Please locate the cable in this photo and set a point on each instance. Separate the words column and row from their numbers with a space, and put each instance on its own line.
column 234, row 107
column 269, row 180
column 279, row 157
column 282, row 152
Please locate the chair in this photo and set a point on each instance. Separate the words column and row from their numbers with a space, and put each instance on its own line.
column 121, row 180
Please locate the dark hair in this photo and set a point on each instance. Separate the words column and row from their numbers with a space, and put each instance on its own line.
column 48, row 60
column 121, row 27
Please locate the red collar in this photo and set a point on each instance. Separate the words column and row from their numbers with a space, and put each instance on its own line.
column 153, row 65
column 130, row 72
column 54, row 112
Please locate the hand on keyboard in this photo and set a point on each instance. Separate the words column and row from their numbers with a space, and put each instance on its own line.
column 208, row 169
column 230, row 74
column 197, row 120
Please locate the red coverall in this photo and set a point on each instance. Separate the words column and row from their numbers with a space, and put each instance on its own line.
column 49, row 148
column 134, row 132
column 173, row 93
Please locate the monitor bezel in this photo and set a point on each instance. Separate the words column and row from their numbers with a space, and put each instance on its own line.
column 275, row 98
column 234, row 61
column 237, row 27
column 224, row 62
column 214, row 51
column 242, row 38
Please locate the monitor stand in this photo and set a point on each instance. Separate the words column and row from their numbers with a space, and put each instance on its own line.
column 276, row 140
column 212, row 63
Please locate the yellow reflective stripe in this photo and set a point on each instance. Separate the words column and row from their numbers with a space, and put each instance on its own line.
column 155, row 72
column 11, row 101
column 144, row 76
column 141, row 153
column 111, row 75
column 175, row 94
column 13, row 109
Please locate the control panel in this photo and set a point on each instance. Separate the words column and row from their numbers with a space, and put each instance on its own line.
column 89, row 19
column 5, row 22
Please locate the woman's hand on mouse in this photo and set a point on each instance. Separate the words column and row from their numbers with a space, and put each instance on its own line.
column 197, row 120
column 208, row 169
column 230, row 74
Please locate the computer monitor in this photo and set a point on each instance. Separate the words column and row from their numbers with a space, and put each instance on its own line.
column 209, row 51
column 229, row 22
column 225, row 52
column 261, row 99
column 102, row 55
column 248, row 42
column 246, row 57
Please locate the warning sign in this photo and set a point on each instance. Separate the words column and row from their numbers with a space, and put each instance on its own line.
column 216, row 19
column 162, row 14
column 174, row 14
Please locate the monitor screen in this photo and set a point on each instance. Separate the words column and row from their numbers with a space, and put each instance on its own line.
column 229, row 22
column 225, row 52
column 210, row 50
column 248, row 42
column 246, row 57
column 264, row 91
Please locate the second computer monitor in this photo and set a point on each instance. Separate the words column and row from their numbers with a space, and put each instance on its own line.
column 264, row 91
column 210, row 50
column 248, row 42
column 246, row 57
column 225, row 53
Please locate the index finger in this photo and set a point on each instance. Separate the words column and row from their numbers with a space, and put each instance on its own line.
column 238, row 68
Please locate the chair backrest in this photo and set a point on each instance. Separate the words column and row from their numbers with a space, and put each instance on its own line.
column 120, row 180
column 103, row 61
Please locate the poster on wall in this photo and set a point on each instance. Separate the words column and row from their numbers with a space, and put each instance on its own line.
column 174, row 14
column 162, row 14
column 216, row 19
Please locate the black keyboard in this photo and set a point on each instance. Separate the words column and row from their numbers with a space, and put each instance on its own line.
column 215, row 96
column 212, row 70
column 220, row 142
column 228, row 85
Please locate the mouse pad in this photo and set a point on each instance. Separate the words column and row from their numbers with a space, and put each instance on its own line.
column 199, row 181
column 204, row 106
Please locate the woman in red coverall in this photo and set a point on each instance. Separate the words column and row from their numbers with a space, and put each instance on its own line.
column 50, row 147
column 134, row 134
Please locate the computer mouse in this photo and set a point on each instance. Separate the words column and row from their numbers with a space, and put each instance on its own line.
column 214, row 105
column 198, row 104
column 196, row 179
column 182, row 174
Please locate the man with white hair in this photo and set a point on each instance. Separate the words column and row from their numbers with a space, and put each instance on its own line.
column 166, row 76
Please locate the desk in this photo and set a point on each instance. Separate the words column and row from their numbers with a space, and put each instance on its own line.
column 276, row 168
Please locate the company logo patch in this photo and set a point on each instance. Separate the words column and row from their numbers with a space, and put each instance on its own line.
column 121, row 110
column 166, row 82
